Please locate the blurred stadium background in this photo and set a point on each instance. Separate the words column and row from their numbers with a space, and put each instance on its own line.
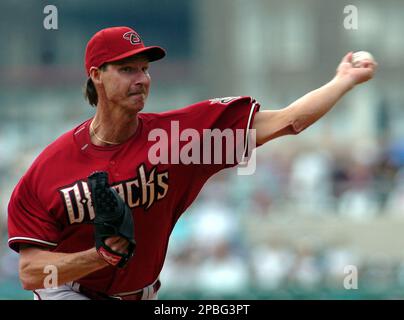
column 328, row 198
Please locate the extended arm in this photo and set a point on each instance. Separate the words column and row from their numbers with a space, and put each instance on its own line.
column 308, row 109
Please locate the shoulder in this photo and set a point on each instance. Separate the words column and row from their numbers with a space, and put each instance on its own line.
column 215, row 102
column 55, row 153
column 198, row 107
column 62, row 145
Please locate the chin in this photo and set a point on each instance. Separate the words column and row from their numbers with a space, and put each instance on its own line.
column 135, row 106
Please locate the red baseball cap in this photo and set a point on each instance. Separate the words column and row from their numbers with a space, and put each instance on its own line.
column 116, row 43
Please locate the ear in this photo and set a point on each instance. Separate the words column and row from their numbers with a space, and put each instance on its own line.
column 95, row 75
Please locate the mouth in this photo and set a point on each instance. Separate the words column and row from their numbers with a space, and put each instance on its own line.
column 131, row 94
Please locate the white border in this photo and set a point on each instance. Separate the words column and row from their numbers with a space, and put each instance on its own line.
column 248, row 131
column 34, row 240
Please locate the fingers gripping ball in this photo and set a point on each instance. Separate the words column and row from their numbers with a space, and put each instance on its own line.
column 360, row 56
column 112, row 218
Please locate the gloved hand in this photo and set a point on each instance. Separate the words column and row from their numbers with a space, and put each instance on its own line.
column 112, row 218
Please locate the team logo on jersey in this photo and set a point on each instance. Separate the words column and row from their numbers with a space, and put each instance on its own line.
column 132, row 36
column 141, row 191
column 225, row 100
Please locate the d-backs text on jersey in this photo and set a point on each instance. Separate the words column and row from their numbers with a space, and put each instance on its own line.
column 141, row 191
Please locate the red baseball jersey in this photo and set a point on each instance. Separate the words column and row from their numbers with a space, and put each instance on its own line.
column 51, row 204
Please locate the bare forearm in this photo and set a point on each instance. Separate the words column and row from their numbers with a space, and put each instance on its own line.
column 308, row 109
column 301, row 113
column 61, row 267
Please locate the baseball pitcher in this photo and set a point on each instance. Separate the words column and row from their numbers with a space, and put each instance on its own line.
column 97, row 209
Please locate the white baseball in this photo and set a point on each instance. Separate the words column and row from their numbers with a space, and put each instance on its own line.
column 359, row 56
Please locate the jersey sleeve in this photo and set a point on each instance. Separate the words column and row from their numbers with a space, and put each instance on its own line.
column 235, row 115
column 225, row 126
column 28, row 222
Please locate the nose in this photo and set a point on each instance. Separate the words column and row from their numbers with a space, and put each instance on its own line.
column 142, row 77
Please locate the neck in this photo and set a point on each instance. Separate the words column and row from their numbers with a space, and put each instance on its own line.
column 109, row 128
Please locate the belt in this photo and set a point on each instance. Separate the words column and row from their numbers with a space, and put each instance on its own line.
column 135, row 295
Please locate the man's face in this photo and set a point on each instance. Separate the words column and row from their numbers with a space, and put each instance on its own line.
column 127, row 83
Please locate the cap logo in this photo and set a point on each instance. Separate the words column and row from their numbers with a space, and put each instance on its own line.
column 132, row 36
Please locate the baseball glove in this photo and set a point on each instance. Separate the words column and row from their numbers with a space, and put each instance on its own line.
column 112, row 218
